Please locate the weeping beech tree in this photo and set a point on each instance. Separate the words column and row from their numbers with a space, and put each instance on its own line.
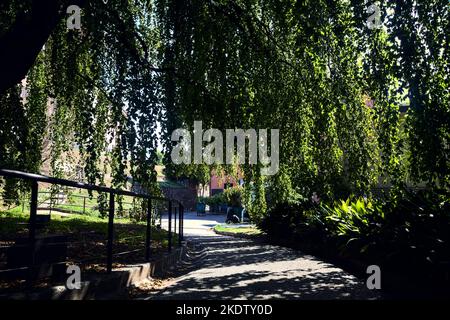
column 100, row 85
column 314, row 69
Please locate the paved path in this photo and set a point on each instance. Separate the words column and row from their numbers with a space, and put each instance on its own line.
column 195, row 226
column 232, row 268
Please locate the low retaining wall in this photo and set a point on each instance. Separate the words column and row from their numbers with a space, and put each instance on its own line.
column 106, row 286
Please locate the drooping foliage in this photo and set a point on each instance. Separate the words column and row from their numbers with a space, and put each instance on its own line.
column 355, row 105
column 343, row 94
column 95, row 89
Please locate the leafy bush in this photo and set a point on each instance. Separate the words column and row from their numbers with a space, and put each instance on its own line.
column 412, row 229
column 409, row 234
column 355, row 223
column 417, row 230
column 285, row 218
column 217, row 199
column 202, row 200
column 214, row 200
column 233, row 196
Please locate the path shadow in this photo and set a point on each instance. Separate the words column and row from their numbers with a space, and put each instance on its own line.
column 244, row 269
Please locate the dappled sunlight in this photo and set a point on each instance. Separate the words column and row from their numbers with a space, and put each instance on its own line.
column 233, row 268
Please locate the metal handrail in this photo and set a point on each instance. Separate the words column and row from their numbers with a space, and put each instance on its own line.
column 36, row 178
column 74, row 184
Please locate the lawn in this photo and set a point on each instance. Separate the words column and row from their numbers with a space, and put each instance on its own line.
column 76, row 201
column 251, row 230
column 87, row 236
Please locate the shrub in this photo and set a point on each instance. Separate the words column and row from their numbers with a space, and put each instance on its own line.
column 409, row 234
column 355, row 223
column 202, row 200
column 214, row 200
column 217, row 199
column 417, row 229
column 233, row 196
column 285, row 218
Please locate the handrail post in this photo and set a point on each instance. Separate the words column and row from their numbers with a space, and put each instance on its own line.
column 32, row 226
column 110, row 233
column 33, row 210
column 180, row 224
column 149, row 230
column 161, row 211
column 175, row 211
column 170, row 227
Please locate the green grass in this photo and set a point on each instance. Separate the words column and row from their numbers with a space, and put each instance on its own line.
column 87, row 233
column 14, row 224
column 250, row 231
column 77, row 202
column 87, row 239
column 78, row 209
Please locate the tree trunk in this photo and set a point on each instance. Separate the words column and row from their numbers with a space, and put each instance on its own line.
column 21, row 44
